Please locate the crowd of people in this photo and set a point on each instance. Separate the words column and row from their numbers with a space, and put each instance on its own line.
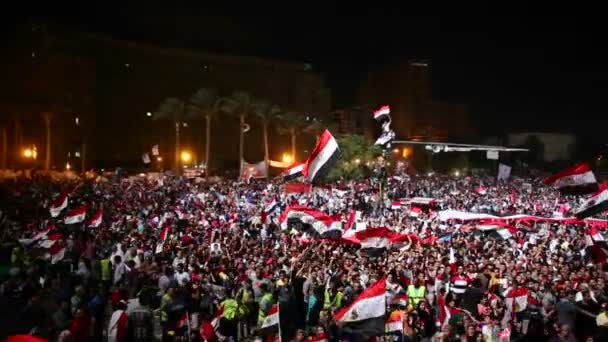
column 178, row 259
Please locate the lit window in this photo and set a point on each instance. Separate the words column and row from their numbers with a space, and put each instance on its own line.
column 69, row 154
column 77, row 121
column 33, row 54
column 77, row 154
column 185, row 124
column 127, row 65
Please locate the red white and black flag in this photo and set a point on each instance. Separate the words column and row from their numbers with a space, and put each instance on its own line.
column 577, row 179
column 382, row 112
column 293, row 172
column 270, row 324
column 60, row 203
column 595, row 245
column 375, row 240
column 95, row 221
column 76, row 215
column 366, row 315
column 307, row 219
column 322, row 158
column 597, row 203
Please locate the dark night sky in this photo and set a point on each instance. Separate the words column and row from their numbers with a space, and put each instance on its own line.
column 531, row 72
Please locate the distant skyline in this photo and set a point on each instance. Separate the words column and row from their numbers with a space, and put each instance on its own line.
column 515, row 73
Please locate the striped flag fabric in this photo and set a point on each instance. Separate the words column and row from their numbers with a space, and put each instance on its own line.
column 393, row 325
column 270, row 324
column 60, row 203
column 517, row 299
column 293, row 172
column 595, row 245
column 322, row 158
column 76, row 215
column 382, row 112
column 51, row 240
column 366, row 314
column 95, row 221
column 595, row 204
column 300, row 217
column 577, row 179
column 374, row 240
column 57, row 252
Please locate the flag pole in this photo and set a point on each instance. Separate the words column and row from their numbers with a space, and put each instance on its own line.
column 279, row 314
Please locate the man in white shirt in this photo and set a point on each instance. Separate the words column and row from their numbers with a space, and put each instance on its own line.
column 179, row 259
column 181, row 277
column 119, row 269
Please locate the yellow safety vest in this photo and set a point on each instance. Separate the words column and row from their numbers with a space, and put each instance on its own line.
column 261, row 313
column 415, row 295
column 106, row 269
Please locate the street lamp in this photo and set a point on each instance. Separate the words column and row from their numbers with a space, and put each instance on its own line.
column 159, row 159
column 186, row 156
column 287, row 158
column 27, row 153
column 148, row 114
column 68, row 166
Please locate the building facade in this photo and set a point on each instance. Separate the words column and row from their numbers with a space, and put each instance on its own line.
column 102, row 89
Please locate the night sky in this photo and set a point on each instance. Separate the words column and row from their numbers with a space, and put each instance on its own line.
column 538, row 73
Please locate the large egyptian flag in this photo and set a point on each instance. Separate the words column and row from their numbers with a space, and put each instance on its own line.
column 307, row 219
column 366, row 315
column 375, row 240
column 577, row 179
column 322, row 158
column 597, row 203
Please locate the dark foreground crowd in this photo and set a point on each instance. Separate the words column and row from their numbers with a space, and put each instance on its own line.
column 225, row 261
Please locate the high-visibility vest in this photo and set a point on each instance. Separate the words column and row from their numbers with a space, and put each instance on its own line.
column 335, row 302
column 106, row 269
column 415, row 294
column 230, row 308
column 261, row 313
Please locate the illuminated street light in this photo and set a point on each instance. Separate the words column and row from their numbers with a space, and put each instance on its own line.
column 357, row 161
column 159, row 159
column 396, row 151
column 68, row 166
column 27, row 153
column 186, row 156
column 287, row 158
column 148, row 114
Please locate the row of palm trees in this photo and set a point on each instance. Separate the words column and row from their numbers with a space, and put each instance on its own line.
column 207, row 104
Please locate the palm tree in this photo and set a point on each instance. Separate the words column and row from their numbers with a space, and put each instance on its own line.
column 47, row 116
column 239, row 104
column 267, row 113
column 292, row 123
column 205, row 104
column 172, row 109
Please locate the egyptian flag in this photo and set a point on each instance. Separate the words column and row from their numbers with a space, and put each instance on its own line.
column 382, row 112
column 578, row 179
column 595, row 245
column 59, row 204
column 39, row 236
column 415, row 211
column 51, row 240
column 322, row 158
column 161, row 240
column 353, row 226
column 498, row 229
column 445, row 312
column 270, row 324
column 375, row 240
column 95, row 221
column 57, row 252
column 306, row 219
column 320, row 337
column 366, row 315
column 517, row 299
column 597, row 203
column 293, row 172
column 76, row 215
column 393, row 325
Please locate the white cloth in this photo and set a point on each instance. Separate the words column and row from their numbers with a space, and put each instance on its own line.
column 182, row 278
column 113, row 325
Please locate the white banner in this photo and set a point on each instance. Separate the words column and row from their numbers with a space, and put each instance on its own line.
column 492, row 155
column 504, row 171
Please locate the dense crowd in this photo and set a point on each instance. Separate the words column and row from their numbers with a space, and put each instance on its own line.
column 178, row 259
